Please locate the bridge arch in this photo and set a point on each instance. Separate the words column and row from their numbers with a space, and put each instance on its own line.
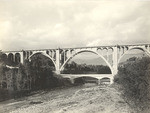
column 105, row 80
column 44, row 55
column 84, row 79
column 4, row 56
column 10, row 57
column 17, row 57
column 81, row 51
column 132, row 48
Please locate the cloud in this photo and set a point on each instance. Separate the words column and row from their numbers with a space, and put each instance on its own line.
column 52, row 24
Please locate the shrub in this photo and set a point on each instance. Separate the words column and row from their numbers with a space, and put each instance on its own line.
column 35, row 75
column 134, row 79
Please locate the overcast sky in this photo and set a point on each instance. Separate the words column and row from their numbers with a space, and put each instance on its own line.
column 34, row 24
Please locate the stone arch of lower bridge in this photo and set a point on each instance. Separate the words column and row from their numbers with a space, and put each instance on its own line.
column 81, row 51
column 132, row 48
column 44, row 55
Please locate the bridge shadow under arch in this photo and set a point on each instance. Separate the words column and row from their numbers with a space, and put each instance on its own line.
column 85, row 79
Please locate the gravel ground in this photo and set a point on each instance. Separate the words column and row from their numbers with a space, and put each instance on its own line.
column 79, row 99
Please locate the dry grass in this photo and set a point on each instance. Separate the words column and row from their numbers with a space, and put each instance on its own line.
column 79, row 99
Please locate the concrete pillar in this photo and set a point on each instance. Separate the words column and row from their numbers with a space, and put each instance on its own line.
column 115, row 60
column 120, row 52
column 50, row 53
column 69, row 53
column 13, row 57
column 111, row 80
column 107, row 55
column 53, row 53
column 72, row 81
column 21, row 57
column 98, row 82
column 148, row 49
column 125, row 49
column 58, row 61
column 64, row 55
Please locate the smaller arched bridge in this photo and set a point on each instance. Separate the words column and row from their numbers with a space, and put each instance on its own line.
column 61, row 56
column 72, row 77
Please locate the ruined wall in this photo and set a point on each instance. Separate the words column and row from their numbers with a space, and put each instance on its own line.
column 13, row 79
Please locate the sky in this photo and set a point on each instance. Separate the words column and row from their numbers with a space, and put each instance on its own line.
column 41, row 24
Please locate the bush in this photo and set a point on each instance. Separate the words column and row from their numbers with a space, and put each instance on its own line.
column 134, row 79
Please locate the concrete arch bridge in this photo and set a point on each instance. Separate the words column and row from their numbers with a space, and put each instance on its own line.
column 61, row 56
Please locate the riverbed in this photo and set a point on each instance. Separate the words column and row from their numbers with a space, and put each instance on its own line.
column 88, row 98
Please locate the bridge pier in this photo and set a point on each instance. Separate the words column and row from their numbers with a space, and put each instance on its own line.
column 112, row 79
column 98, row 82
column 57, row 71
column 72, row 81
column 21, row 58
column 115, row 60
column 58, row 61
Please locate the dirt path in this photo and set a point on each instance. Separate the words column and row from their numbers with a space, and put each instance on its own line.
column 80, row 99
